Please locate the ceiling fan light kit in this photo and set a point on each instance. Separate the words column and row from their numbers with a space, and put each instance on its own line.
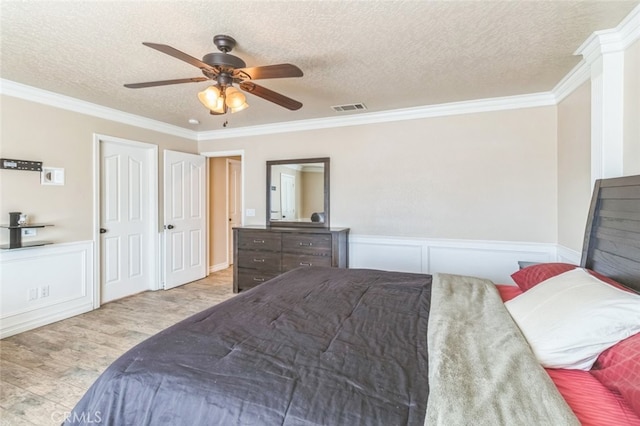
column 226, row 70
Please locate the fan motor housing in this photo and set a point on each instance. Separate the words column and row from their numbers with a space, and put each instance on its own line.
column 223, row 59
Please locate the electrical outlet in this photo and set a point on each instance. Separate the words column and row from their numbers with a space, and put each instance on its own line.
column 28, row 232
column 33, row 294
column 44, row 291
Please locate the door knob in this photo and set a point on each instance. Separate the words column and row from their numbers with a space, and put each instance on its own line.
column 103, row 231
column 169, row 227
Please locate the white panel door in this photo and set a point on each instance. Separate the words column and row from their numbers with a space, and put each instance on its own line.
column 234, row 202
column 288, row 196
column 125, row 219
column 184, row 218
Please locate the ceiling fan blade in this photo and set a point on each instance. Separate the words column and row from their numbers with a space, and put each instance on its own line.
column 270, row 95
column 271, row 71
column 165, row 82
column 180, row 55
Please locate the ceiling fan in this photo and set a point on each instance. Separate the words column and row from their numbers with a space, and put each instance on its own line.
column 226, row 70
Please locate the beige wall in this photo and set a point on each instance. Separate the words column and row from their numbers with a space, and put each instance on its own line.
column 631, row 163
column 60, row 138
column 486, row 176
column 574, row 166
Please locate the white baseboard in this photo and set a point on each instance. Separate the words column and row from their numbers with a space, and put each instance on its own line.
column 219, row 267
column 494, row 260
column 64, row 271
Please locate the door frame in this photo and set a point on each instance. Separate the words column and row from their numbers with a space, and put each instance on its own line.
column 232, row 153
column 153, row 204
column 228, row 205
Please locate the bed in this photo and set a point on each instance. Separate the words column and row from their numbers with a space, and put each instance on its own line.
column 327, row 346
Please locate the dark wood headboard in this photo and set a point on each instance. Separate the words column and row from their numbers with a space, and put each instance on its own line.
column 612, row 237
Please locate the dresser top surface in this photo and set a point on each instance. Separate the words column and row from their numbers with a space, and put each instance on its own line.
column 311, row 230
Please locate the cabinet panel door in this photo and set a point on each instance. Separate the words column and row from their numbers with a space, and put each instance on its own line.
column 262, row 260
column 293, row 261
column 312, row 244
column 249, row 278
column 257, row 240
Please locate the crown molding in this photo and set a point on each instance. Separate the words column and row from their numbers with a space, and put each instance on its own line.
column 578, row 75
column 33, row 94
column 612, row 40
column 429, row 111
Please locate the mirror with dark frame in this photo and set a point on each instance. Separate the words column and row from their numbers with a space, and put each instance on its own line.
column 298, row 192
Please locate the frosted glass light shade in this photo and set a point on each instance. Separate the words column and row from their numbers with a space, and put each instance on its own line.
column 235, row 99
column 210, row 97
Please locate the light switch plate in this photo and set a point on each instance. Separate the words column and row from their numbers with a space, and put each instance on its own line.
column 251, row 212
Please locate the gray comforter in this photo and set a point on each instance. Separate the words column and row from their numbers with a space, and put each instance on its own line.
column 317, row 346
column 325, row 346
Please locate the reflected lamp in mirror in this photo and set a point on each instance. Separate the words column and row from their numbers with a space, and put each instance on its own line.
column 298, row 192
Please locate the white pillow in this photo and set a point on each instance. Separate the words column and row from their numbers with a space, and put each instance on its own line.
column 571, row 318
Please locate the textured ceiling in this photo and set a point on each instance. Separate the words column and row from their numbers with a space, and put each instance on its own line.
column 385, row 54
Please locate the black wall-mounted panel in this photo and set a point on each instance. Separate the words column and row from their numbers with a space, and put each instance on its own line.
column 8, row 164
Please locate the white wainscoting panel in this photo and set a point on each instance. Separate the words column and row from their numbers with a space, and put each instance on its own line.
column 567, row 255
column 41, row 285
column 494, row 260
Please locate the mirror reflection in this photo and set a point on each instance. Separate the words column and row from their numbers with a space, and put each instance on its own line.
column 297, row 192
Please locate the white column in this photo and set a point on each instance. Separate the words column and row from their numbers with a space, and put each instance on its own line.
column 604, row 53
column 607, row 115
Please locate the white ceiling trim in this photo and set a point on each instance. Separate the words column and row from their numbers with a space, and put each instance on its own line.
column 33, row 94
column 580, row 74
column 22, row 91
column 613, row 40
column 607, row 41
column 430, row 111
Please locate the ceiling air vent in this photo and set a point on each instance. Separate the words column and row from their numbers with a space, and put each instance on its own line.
column 349, row 107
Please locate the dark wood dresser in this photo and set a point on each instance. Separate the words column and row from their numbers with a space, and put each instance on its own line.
column 261, row 253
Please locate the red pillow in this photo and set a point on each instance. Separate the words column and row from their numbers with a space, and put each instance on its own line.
column 533, row 275
column 618, row 368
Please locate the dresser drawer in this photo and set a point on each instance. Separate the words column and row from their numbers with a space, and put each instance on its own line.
column 257, row 240
column 249, row 278
column 312, row 244
column 293, row 261
column 262, row 260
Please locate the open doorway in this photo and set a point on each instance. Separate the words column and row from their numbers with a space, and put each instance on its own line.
column 225, row 208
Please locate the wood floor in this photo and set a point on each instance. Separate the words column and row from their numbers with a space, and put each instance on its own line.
column 44, row 372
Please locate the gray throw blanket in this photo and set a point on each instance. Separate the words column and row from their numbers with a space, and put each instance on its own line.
column 481, row 369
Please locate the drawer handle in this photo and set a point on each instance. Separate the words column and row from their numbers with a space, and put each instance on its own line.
column 258, row 241
column 258, row 279
column 306, row 264
column 258, row 260
column 305, row 244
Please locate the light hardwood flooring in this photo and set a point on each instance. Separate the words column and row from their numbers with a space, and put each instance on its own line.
column 44, row 372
